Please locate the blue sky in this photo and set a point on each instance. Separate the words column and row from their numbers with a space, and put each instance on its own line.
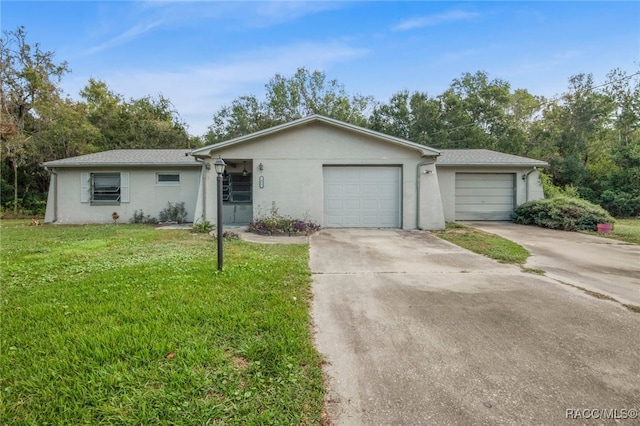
column 203, row 54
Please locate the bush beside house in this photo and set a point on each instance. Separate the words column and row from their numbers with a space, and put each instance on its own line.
column 562, row 212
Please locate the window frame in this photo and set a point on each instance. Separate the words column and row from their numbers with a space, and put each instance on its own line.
column 169, row 182
column 237, row 189
column 106, row 190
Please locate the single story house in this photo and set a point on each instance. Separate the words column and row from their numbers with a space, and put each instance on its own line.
column 315, row 168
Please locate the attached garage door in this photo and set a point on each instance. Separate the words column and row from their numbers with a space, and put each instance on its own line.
column 484, row 196
column 362, row 197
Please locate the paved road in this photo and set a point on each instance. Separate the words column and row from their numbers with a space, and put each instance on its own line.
column 599, row 264
column 417, row 331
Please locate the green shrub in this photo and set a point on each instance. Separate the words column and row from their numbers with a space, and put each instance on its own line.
column 277, row 224
column 173, row 213
column 202, row 227
column 139, row 217
column 569, row 214
column 552, row 191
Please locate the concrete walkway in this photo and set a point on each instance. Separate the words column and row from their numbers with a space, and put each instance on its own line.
column 595, row 263
column 417, row 331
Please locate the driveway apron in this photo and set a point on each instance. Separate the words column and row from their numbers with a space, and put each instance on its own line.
column 595, row 263
column 417, row 331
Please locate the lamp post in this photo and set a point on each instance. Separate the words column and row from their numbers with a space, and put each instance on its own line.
column 219, row 165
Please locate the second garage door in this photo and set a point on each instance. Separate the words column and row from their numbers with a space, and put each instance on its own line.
column 484, row 196
column 357, row 196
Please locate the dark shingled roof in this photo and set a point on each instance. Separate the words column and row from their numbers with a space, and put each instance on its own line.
column 483, row 157
column 130, row 157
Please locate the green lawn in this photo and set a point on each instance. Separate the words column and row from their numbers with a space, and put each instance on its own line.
column 484, row 243
column 125, row 324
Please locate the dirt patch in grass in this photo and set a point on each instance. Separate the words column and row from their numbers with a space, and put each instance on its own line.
column 241, row 362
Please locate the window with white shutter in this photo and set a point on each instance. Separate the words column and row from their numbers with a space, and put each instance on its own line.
column 106, row 189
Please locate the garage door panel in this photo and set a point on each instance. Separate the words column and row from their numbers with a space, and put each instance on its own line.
column 388, row 220
column 495, row 186
column 352, row 220
column 484, row 177
column 357, row 196
column 352, row 205
column 333, row 221
column 335, row 204
column 484, row 196
column 369, row 189
column 486, row 199
column 351, row 189
column 483, row 216
column 370, row 204
column 486, row 192
column 484, row 208
column 387, row 205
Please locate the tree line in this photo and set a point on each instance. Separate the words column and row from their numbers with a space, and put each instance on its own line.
column 590, row 134
column 39, row 123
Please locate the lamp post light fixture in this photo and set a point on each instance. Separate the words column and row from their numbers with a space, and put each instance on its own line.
column 219, row 165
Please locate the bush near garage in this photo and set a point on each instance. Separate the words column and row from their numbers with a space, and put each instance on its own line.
column 566, row 213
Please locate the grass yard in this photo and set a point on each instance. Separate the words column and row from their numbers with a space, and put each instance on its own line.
column 624, row 230
column 125, row 324
column 490, row 245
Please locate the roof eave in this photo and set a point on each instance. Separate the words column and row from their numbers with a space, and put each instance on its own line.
column 87, row 165
column 493, row 164
column 425, row 151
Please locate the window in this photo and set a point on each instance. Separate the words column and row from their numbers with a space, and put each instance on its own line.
column 168, row 179
column 236, row 188
column 104, row 188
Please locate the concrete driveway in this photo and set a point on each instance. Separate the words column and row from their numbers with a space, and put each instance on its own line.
column 417, row 331
column 599, row 264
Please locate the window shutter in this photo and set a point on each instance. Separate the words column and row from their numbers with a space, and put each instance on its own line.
column 85, row 187
column 124, row 187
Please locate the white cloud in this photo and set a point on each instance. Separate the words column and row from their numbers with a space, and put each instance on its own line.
column 128, row 35
column 270, row 13
column 199, row 92
column 145, row 17
column 441, row 18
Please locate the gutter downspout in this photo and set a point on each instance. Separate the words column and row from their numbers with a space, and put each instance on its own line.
column 425, row 163
column 54, row 178
column 204, row 169
column 526, row 184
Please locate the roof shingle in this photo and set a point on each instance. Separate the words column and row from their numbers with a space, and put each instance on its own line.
column 129, row 157
column 483, row 157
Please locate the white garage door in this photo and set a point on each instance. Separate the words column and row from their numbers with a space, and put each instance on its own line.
column 484, row 196
column 362, row 197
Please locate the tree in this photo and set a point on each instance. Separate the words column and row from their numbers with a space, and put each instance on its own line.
column 307, row 93
column 29, row 79
column 142, row 123
column 475, row 112
column 578, row 124
column 415, row 117
column 289, row 99
column 624, row 91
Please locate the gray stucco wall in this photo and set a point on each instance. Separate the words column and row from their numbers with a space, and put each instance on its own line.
column 64, row 204
column 292, row 173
